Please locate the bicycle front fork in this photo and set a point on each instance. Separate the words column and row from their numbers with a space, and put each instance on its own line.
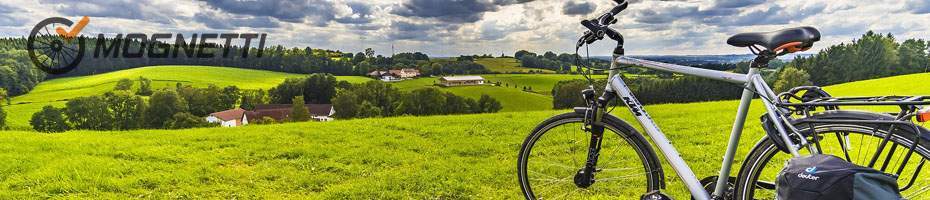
column 585, row 176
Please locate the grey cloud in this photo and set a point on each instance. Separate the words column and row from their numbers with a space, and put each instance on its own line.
column 316, row 12
column 736, row 3
column 464, row 11
column 409, row 31
column 7, row 18
column 774, row 15
column 575, row 8
column 112, row 8
column 362, row 11
column 917, row 6
column 219, row 20
column 666, row 14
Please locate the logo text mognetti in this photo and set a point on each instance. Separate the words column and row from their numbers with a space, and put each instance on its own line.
column 60, row 51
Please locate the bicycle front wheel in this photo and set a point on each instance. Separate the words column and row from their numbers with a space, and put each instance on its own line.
column 557, row 149
column 858, row 143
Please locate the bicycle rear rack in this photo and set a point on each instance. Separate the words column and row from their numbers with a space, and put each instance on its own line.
column 815, row 97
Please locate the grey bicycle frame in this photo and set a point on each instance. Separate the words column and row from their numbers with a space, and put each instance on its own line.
column 753, row 84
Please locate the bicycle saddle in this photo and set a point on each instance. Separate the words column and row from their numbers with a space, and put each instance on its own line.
column 792, row 39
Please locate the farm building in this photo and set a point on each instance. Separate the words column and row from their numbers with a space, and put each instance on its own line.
column 395, row 74
column 278, row 112
column 449, row 81
column 229, row 118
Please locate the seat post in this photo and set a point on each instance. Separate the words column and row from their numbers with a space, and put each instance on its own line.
column 762, row 59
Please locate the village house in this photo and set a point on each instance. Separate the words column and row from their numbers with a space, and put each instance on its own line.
column 229, row 118
column 395, row 74
column 450, row 81
column 278, row 112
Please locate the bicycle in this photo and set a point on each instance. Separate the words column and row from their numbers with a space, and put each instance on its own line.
column 570, row 161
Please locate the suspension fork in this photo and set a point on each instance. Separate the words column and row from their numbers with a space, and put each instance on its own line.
column 594, row 125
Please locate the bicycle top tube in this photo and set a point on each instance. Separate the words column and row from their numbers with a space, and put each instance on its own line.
column 693, row 71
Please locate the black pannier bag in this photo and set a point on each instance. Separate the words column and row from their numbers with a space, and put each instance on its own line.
column 825, row 177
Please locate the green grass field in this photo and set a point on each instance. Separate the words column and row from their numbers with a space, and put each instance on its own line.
column 540, row 83
column 512, row 99
column 54, row 92
column 506, row 65
column 439, row 157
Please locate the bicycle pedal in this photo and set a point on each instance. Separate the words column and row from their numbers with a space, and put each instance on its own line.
column 655, row 195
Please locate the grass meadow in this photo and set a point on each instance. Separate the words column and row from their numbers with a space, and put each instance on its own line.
column 56, row 91
column 507, row 65
column 437, row 157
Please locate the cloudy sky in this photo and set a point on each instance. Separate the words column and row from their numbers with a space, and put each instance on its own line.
column 455, row 27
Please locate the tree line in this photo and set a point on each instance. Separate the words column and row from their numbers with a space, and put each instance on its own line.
column 871, row 56
column 17, row 74
column 378, row 99
column 122, row 109
column 560, row 63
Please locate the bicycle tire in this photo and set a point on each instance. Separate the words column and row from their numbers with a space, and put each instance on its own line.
column 762, row 153
column 650, row 163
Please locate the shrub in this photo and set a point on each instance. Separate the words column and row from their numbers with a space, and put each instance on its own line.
column 49, row 120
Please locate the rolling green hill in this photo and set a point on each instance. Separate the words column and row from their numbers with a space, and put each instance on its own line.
column 439, row 157
column 506, row 65
column 56, row 91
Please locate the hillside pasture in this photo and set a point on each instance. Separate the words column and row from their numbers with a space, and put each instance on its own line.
column 437, row 157
column 507, row 65
column 56, row 91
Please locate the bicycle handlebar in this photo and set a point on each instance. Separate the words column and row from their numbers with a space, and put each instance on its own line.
column 598, row 27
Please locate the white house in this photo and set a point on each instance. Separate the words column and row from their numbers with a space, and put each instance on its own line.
column 395, row 74
column 229, row 118
column 449, row 81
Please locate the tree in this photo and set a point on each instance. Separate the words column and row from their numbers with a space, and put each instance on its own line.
column 791, row 77
column 89, row 113
column 345, row 102
column 229, row 97
column 162, row 107
column 128, row 110
column 299, row 112
column 49, row 120
column 250, row 98
column 369, row 53
column 2, row 119
column 424, row 101
column 488, row 104
column 145, row 87
column 286, row 91
column 567, row 94
column 123, row 84
column 367, row 109
column 319, row 88
column 3, row 96
column 184, row 120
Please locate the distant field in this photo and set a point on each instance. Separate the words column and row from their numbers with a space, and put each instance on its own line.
column 438, row 157
column 506, row 65
column 540, row 83
column 512, row 99
column 55, row 91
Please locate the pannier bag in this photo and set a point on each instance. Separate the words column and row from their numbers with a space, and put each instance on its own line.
column 825, row 177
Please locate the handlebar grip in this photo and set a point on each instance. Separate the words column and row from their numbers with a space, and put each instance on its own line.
column 622, row 6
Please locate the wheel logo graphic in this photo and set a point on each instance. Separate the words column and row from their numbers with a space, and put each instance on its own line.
column 51, row 50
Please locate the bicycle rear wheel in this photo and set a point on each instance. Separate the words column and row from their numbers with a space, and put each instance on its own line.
column 557, row 149
column 855, row 142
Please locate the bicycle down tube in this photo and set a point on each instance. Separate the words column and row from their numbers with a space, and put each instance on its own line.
column 750, row 81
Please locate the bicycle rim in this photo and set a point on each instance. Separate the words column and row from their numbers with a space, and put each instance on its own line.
column 863, row 141
column 553, row 154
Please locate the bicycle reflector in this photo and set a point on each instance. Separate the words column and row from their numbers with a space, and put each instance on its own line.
column 923, row 115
